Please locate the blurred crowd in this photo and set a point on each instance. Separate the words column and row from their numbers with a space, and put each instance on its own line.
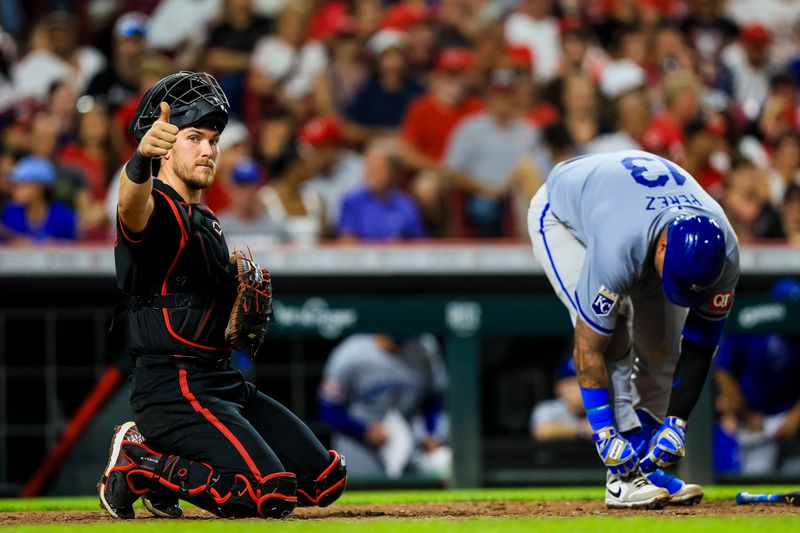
column 376, row 120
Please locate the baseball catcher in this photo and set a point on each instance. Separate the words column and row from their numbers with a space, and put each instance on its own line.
column 201, row 433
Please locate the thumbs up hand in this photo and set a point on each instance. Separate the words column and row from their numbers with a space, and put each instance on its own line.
column 161, row 136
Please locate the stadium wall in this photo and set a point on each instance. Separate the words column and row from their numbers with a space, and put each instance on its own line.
column 490, row 305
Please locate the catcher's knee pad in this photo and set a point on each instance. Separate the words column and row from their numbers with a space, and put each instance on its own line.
column 148, row 469
column 326, row 487
column 274, row 496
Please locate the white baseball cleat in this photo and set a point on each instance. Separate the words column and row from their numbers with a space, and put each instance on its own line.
column 689, row 494
column 680, row 492
column 634, row 492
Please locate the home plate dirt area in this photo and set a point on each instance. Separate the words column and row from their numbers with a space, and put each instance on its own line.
column 464, row 510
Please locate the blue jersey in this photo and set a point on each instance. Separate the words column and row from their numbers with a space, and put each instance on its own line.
column 369, row 382
column 616, row 204
column 766, row 367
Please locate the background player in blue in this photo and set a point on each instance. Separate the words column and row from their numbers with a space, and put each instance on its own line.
column 382, row 397
column 646, row 263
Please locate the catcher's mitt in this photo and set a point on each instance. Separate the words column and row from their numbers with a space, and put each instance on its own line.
column 252, row 309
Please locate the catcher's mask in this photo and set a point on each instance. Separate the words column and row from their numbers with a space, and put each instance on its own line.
column 194, row 98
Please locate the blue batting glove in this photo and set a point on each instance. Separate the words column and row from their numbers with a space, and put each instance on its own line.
column 616, row 452
column 667, row 446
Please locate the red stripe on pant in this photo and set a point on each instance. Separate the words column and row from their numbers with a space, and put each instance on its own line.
column 208, row 415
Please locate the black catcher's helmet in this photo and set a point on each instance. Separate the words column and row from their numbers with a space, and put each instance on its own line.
column 193, row 97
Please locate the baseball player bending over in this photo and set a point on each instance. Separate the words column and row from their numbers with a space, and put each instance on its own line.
column 201, row 433
column 646, row 263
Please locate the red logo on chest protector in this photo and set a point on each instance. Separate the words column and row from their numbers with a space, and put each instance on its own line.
column 721, row 301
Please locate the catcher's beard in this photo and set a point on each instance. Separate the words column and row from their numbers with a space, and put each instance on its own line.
column 197, row 174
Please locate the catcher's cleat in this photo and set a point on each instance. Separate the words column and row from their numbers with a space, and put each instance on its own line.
column 162, row 505
column 116, row 497
column 680, row 492
column 634, row 492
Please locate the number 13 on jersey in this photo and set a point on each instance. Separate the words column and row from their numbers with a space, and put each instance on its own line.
column 652, row 171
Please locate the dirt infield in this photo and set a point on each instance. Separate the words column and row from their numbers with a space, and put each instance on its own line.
column 461, row 510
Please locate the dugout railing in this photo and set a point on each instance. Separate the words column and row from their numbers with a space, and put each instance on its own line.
column 57, row 304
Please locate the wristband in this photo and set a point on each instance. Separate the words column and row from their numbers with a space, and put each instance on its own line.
column 598, row 410
column 139, row 168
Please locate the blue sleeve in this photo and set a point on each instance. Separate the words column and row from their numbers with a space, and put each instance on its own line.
column 63, row 223
column 14, row 218
column 336, row 416
column 432, row 409
column 702, row 330
column 347, row 217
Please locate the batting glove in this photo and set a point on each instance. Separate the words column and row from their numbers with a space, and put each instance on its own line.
column 615, row 451
column 667, row 446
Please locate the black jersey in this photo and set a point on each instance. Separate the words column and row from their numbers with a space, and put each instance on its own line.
column 175, row 275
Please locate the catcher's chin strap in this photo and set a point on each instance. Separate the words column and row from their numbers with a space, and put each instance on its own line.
column 327, row 487
column 239, row 496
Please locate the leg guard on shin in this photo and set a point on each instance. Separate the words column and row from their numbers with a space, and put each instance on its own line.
column 326, row 487
column 150, row 469
column 274, row 496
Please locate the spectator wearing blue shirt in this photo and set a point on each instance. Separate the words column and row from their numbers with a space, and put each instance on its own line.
column 378, row 211
column 380, row 104
column 759, row 397
column 30, row 215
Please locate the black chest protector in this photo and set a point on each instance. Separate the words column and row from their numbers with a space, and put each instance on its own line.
column 176, row 279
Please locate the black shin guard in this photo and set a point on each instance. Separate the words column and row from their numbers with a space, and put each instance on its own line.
column 229, row 496
column 274, row 496
column 150, row 469
column 325, row 488
column 188, row 480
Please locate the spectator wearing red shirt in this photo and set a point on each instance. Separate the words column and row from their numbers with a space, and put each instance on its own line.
column 538, row 112
column 427, row 126
column 432, row 116
column 707, row 153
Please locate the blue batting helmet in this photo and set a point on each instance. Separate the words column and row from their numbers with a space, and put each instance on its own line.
column 694, row 259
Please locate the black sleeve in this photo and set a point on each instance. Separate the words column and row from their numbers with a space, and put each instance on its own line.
column 690, row 375
column 163, row 231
